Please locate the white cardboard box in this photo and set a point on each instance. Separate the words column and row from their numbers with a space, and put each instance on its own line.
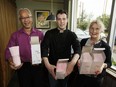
column 85, row 63
column 35, row 50
column 61, row 68
column 15, row 55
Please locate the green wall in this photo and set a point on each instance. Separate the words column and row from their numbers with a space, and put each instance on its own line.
column 42, row 5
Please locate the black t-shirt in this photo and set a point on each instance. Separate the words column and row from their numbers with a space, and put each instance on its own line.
column 58, row 45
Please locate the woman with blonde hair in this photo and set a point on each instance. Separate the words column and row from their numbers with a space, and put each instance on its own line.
column 96, row 27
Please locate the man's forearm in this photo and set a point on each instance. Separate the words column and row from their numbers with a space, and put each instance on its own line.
column 46, row 61
column 75, row 59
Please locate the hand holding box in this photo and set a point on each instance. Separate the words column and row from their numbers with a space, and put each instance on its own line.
column 61, row 68
column 99, row 58
column 15, row 55
column 91, row 60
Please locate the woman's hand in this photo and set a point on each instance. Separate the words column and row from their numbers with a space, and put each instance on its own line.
column 101, row 69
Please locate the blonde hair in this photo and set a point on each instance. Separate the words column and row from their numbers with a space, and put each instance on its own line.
column 99, row 23
column 24, row 9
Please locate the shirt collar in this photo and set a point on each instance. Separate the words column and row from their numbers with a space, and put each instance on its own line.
column 32, row 31
column 63, row 30
column 88, row 43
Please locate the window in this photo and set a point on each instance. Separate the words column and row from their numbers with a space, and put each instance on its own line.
column 106, row 11
column 112, row 34
column 113, row 45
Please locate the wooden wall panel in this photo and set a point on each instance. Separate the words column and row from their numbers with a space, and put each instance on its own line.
column 8, row 25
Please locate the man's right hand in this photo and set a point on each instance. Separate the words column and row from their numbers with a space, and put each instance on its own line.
column 51, row 69
column 12, row 65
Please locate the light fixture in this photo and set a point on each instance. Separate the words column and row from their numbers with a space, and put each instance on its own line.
column 51, row 17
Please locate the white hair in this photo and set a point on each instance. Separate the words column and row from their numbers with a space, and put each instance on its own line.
column 24, row 9
column 98, row 22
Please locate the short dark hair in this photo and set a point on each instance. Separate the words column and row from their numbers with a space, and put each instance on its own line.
column 61, row 11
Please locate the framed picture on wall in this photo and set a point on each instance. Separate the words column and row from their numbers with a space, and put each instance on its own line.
column 40, row 18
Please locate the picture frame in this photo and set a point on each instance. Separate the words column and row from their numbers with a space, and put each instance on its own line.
column 40, row 18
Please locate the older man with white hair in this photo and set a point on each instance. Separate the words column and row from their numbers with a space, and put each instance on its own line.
column 29, row 75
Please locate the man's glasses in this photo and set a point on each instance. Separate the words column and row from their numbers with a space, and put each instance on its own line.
column 25, row 18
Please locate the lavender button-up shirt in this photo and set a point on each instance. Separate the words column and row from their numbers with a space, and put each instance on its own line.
column 21, row 39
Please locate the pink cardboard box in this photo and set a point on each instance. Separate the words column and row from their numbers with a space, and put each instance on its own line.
column 15, row 55
column 91, row 62
column 61, row 68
